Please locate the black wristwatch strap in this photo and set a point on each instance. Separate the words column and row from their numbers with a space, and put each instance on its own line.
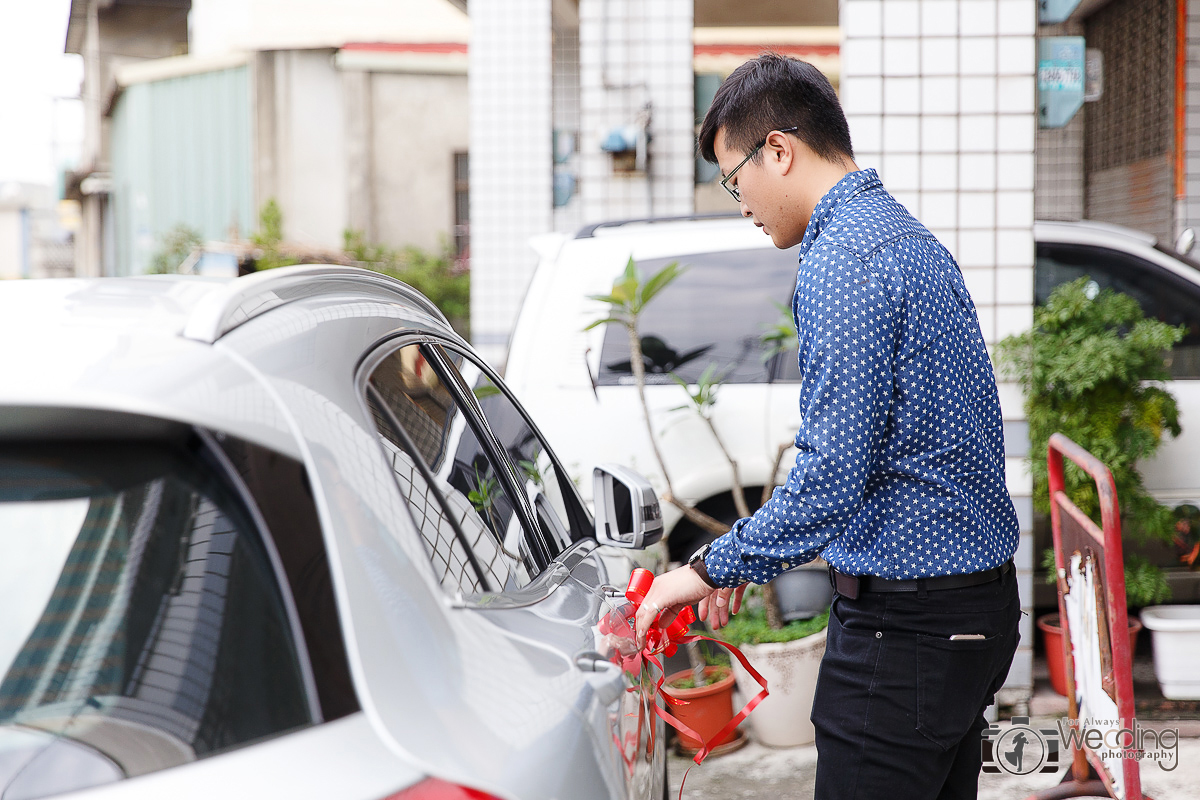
column 696, row 562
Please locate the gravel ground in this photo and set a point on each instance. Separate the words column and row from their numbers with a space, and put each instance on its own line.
column 763, row 772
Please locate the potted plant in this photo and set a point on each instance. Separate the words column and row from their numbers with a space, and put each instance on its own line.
column 789, row 657
column 1092, row 367
column 706, row 703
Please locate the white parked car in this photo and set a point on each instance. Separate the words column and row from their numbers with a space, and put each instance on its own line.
column 736, row 284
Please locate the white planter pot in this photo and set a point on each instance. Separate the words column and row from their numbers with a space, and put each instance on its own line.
column 1175, row 631
column 782, row 720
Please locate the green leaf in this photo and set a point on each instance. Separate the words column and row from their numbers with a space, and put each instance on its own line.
column 605, row 321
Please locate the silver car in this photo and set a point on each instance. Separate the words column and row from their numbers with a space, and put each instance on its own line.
column 288, row 536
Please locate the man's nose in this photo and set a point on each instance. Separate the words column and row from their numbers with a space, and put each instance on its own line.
column 745, row 209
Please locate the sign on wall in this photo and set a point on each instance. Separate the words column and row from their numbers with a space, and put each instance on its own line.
column 1060, row 79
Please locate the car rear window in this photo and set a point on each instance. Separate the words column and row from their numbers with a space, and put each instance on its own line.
column 715, row 313
column 143, row 622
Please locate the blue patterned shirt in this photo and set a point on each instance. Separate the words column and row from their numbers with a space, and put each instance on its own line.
column 900, row 470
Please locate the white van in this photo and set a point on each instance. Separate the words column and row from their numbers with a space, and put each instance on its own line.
column 579, row 386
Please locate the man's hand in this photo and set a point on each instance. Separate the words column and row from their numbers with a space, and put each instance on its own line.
column 718, row 606
column 681, row 587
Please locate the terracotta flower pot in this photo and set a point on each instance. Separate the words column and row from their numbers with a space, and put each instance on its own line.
column 708, row 708
column 1052, row 636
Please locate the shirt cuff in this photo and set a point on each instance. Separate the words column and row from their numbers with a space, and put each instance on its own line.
column 722, row 561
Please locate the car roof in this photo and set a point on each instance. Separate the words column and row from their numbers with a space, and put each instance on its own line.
column 144, row 346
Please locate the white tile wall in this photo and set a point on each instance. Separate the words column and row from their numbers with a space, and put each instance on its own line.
column 511, row 159
column 649, row 67
column 963, row 160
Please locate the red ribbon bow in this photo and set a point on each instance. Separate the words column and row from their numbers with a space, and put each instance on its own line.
column 666, row 641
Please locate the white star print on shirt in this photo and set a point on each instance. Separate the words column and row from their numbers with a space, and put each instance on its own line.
column 900, row 470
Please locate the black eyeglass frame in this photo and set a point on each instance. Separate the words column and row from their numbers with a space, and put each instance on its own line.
column 733, row 190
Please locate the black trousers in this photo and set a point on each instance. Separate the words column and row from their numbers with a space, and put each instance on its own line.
column 899, row 705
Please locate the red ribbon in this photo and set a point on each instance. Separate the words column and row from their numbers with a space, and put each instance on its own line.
column 660, row 640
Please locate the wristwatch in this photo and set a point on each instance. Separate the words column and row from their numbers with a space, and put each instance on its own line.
column 696, row 562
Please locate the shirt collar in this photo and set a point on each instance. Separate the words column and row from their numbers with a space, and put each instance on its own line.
column 835, row 198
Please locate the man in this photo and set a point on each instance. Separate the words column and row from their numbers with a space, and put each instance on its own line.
column 899, row 478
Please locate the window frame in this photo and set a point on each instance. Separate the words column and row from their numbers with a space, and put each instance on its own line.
column 1165, row 276
column 201, row 448
column 574, row 490
column 555, row 569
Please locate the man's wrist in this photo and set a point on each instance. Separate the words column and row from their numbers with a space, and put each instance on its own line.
column 696, row 562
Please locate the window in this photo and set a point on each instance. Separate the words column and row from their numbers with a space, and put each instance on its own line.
column 456, row 490
column 280, row 490
column 716, row 312
column 143, row 620
column 462, row 206
column 553, row 497
column 1160, row 293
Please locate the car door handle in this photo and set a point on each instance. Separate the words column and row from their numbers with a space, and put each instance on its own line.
column 607, row 679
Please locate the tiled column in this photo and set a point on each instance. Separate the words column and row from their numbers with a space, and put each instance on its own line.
column 635, row 59
column 1187, row 208
column 511, row 159
column 940, row 96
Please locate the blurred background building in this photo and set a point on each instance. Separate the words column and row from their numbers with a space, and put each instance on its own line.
column 351, row 115
column 35, row 239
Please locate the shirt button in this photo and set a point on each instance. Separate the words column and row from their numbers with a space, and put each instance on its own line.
column 785, row 565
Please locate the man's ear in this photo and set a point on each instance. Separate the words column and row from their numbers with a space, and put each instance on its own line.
column 780, row 151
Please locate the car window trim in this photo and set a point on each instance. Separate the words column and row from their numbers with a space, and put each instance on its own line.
column 427, row 476
column 225, row 469
column 540, row 587
column 466, row 400
column 381, row 349
column 499, row 384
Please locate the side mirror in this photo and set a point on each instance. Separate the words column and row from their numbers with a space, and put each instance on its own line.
column 627, row 510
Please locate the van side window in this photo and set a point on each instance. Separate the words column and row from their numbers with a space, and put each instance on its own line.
column 1160, row 293
column 706, row 318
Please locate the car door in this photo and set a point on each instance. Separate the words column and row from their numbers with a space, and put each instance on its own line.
column 1164, row 294
column 621, row 712
column 507, row 534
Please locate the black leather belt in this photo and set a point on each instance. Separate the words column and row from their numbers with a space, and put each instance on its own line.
column 850, row 586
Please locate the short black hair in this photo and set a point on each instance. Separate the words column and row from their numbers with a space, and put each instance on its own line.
column 770, row 93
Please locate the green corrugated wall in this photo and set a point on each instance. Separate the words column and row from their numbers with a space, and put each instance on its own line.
column 181, row 153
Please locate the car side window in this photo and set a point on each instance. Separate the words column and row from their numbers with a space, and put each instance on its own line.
column 144, row 623
column 715, row 313
column 551, row 493
column 1161, row 294
column 456, row 489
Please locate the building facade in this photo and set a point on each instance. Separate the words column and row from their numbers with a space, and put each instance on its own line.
column 346, row 132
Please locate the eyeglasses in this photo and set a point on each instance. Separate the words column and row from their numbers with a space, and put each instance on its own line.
column 733, row 190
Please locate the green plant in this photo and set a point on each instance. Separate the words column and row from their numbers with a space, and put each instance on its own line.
column 269, row 236
column 623, row 306
column 779, row 336
column 689, row 682
column 436, row 276
column 174, row 248
column 750, row 625
column 1091, row 368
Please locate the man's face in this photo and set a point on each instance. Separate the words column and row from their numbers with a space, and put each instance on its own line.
column 768, row 196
